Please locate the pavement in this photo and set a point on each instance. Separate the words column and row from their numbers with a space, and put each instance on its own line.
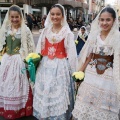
column 36, row 34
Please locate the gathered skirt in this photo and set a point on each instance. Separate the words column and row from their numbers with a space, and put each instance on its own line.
column 97, row 97
column 15, row 93
column 54, row 90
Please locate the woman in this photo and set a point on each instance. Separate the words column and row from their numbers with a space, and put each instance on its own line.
column 82, row 37
column 99, row 94
column 15, row 92
column 53, row 94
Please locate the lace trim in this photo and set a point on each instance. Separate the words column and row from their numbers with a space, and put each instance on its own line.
column 116, row 72
column 93, row 72
column 12, row 106
column 2, row 42
column 108, row 50
column 56, row 107
column 98, row 97
column 86, row 112
column 55, row 101
column 54, row 110
column 16, row 94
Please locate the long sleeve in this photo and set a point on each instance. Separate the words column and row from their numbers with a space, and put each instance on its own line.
column 27, row 43
column 71, row 52
column 41, row 42
column 30, row 42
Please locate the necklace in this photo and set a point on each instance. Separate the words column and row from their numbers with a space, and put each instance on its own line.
column 53, row 39
column 13, row 34
column 55, row 31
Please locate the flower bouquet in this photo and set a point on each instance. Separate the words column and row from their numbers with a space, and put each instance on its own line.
column 76, row 42
column 78, row 76
column 32, row 62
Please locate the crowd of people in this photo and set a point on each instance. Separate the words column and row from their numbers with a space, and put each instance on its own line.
column 53, row 95
column 33, row 21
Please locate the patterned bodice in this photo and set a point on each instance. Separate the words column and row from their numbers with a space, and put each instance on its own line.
column 12, row 46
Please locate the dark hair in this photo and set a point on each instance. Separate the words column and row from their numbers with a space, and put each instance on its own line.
column 109, row 10
column 58, row 6
column 15, row 8
column 83, row 28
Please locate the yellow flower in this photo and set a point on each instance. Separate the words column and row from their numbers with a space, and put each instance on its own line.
column 76, row 41
column 33, row 56
column 79, row 75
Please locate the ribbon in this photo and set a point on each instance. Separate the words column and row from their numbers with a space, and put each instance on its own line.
column 31, row 69
column 32, row 65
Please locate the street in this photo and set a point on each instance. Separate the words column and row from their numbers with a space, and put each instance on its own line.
column 36, row 35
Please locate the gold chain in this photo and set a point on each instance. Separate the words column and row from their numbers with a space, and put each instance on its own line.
column 55, row 31
column 13, row 34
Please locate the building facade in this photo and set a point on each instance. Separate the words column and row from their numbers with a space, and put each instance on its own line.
column 94, row 7
column 77, row 9
column 115, row 4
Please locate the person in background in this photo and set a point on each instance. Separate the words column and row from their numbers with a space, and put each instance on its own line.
column 88, row 27
column 98, row 96
column 54, row 87
column 29, row 21
column 39, row 21
column 43, row 21
column 70, row 24
column 81, row 39
column 35, row 23
column 17, row 40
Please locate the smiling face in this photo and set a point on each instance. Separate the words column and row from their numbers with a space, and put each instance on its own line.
column 56, row 16
column 15, row 18
column 106, row 21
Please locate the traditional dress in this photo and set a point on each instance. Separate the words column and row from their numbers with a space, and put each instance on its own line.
column 81, row 41
column 15, row 92
column 98, row 95
column 54, row 87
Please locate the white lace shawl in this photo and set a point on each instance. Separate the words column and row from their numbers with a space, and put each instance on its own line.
column 27, row 43
column 69, row 39
column 82, row 35
column 113, row 39
column 69, row 44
